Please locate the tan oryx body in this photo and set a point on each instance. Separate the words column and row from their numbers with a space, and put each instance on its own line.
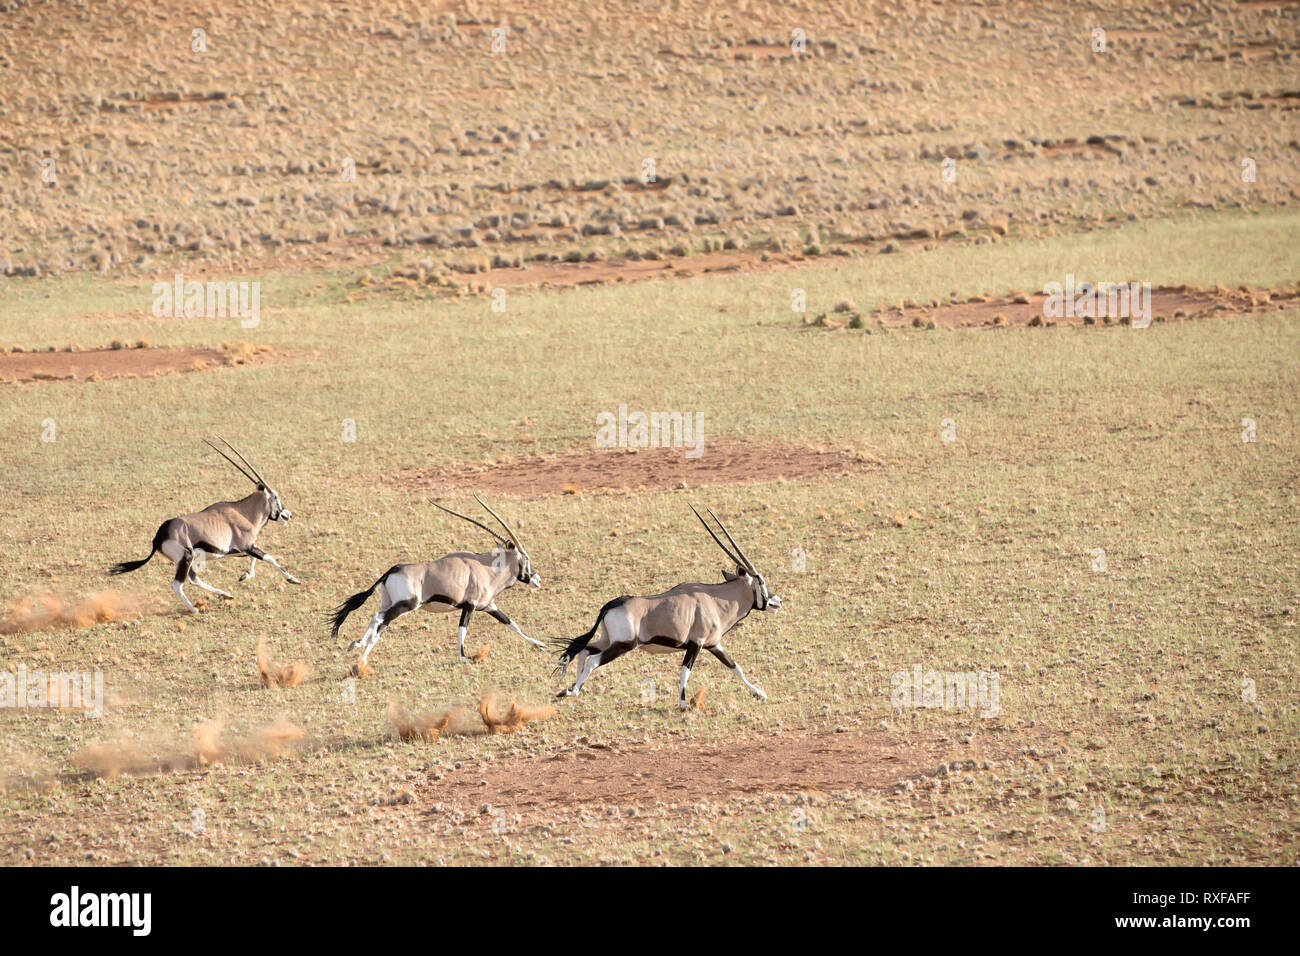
column 686, row 619
column 461, row 581
column 225, row 529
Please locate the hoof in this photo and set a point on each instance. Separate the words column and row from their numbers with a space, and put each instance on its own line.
column 245, row 576
column 293, row 580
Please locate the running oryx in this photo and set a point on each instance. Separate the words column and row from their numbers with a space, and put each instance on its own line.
column 223, row 530
column 461, row 581
column 690, row 618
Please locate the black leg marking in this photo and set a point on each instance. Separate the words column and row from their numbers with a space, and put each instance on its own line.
column 397, row 610
column 183, row 566
column 688, row 661
column 497, row 615
column 612, row 652
column 723, row 656
column 666, row 642
column 465, row 611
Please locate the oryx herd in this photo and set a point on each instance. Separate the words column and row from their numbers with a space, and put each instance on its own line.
column 688, row 618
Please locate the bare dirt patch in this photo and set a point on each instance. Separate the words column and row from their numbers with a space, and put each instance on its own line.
column 620, row 470
column 93, row 365
column 677, row 772
column 1174, row 303
column 483, row 278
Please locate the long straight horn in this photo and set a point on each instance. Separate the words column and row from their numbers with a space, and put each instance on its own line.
column 231, row 460
column 744, row 557
column 495, row 536
column 735, row 560
column 260, row 479
column 509, row 530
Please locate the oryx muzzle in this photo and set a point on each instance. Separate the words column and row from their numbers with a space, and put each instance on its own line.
column 225, row 529
column 687, row 619
column 461, row 581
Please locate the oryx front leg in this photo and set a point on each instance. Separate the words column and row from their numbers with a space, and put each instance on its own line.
column 687, row 663
column 251, row 572
column 504, row 619
column 726, row 659
column 259, row 555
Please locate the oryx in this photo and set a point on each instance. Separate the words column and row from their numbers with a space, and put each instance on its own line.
column 222, row 530
column 460, row 581
column 689, row 618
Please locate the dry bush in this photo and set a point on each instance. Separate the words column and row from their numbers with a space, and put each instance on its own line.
column 360, row 669
column 697, row 702
column 481, row 654
column 279, row 675
column 516, row 715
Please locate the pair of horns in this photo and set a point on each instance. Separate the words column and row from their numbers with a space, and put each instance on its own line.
column 510, row 532
column 743, row 559
column 255, row 478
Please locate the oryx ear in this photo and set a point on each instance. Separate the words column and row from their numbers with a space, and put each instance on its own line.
column 511, row 546
column 728, row 575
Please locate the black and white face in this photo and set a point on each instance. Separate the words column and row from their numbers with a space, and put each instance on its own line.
column 526, row 573
column 764, row 600
column 278, row 511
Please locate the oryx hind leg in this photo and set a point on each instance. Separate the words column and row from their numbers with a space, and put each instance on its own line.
column 195, row 579
column 593, row 660
column 182, row 575
column 692, row 651
column 259, row 555
column 726, row 659
column 251, row 572
column 379, row 623
column 365, row 640
column 493, row 612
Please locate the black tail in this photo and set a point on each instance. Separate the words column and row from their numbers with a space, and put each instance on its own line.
column 124, row 567
column 574, row 647
column 340, row 613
